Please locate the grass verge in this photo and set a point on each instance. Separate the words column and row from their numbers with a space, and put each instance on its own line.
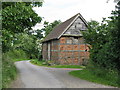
column 43, row 63
column 19, row 59
column 9, row 71
column 87, row 75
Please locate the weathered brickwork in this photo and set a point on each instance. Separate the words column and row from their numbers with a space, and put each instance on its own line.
column 63, row 40
column 72, row 53
column 64, row 52
column 54, row 50
column 65, row 43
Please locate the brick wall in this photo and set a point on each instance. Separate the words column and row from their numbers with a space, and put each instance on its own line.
column 54, row 50
column 72, row 50
column 66, row 50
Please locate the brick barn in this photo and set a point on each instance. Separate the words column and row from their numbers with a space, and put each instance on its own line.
column 65, row 43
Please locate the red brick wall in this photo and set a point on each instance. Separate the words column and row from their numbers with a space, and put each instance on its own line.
column 66, row 50
column 72, row 53
column 54, row 50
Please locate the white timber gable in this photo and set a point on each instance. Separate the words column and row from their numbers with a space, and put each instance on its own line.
column 75, row 29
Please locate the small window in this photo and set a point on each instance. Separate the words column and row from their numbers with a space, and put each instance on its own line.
column 69, row 41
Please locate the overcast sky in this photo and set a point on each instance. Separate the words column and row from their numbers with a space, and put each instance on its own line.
column 64, row 9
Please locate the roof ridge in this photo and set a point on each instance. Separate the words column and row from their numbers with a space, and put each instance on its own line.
column 65, row 21
column 71, row 17
column 62, row 27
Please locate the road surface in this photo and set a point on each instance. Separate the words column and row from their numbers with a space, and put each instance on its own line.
column 32, row 76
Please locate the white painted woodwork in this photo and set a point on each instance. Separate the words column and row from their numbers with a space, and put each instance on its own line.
column 76, row 28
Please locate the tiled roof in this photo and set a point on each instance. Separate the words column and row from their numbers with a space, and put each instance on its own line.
column 61, row 28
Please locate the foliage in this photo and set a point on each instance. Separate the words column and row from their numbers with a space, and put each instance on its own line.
column 16, row 54
column 108, row 79
column 68, row 66
column 27, row 43
column 8, row 70
column 36, row 62
column 105, row 41
column 38, row 34
column 48, row 27
column 17, row 43
column 17, row 17
column 46, row 63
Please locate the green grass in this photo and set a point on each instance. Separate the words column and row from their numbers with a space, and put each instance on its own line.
column 19, row 59
column 87, row 75
column 36, row 62
column 68, row 66
column 43, row 63
column 9, row 71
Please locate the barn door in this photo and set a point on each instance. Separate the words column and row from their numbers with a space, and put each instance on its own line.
column 48, row 51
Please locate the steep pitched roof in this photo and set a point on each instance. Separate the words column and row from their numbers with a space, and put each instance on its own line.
column 61, row 28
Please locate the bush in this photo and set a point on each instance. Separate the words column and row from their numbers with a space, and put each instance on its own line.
column 8, row 70
column 108, row 75
column 88, row 75
column 17, row 54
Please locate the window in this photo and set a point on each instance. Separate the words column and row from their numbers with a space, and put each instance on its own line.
column 69, row 41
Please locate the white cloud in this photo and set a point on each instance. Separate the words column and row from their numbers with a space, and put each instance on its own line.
column 64, row 9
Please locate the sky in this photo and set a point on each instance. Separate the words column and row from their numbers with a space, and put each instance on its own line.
column 64, row 9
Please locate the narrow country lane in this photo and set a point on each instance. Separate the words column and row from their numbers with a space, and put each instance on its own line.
column 32, row 76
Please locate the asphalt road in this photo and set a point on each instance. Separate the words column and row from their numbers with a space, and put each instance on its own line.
column 32, row 76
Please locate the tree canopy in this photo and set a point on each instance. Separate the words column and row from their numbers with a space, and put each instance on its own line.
column 105, row 41
column 17, row 17
column 48, row 27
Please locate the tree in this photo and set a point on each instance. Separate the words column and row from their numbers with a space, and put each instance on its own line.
column 27, row 43
column 105, row 41
column 97, row 37
column 18, row 17
column 48, row 27
column 115, row 39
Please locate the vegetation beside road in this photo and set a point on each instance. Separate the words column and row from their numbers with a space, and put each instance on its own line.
column 104, row 39
column 9, row 71
column 47, row 64
column 108, row 79
column 18, row 43
column 86, row 74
